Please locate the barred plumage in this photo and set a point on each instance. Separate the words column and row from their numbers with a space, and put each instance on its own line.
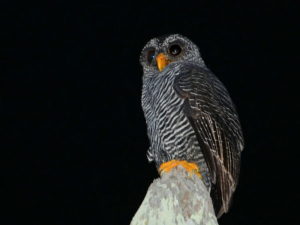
column 190, row 116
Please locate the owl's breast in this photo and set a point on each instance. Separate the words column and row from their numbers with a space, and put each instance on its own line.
column 169, row 131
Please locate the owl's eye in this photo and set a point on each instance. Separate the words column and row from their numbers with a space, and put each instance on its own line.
column 175, row 49
column 150, row 55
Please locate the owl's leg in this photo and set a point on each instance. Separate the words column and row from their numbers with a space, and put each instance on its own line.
column 192, row 168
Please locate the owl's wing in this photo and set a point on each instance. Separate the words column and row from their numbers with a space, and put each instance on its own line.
column 215, row 121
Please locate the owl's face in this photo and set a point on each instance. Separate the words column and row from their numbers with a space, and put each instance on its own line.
column 159, row 52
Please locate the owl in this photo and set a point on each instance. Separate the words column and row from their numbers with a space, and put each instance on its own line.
column 191, row 119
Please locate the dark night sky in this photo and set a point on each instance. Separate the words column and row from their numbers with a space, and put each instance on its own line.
column 74, row 136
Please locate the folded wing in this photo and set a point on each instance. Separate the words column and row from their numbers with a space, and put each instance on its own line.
column 212, row 114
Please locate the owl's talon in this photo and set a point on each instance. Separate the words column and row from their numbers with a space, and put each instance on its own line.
column 192, row 168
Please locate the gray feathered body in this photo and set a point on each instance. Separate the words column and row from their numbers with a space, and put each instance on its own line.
column 170, row 132
column 190, row 116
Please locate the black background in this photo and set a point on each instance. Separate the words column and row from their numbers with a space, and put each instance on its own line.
column 73, row 132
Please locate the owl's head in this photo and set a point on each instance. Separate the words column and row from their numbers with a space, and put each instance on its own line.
column 159, row 52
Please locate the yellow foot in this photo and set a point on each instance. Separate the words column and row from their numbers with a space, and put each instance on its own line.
column 192, row 168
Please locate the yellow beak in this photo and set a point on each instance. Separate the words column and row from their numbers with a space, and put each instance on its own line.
column 162, row 61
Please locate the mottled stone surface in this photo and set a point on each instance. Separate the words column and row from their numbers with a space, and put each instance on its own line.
column 176, row 198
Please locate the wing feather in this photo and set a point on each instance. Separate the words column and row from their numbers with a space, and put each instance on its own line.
column 215, row 121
